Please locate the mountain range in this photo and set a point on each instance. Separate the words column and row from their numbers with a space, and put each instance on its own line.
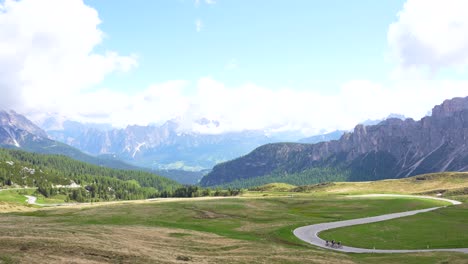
column 16, row 131
column 164, row 147
column 393, row 148
column 165, row 150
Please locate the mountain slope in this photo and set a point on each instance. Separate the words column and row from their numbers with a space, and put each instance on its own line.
column 392, row 149
column 17, row 132
column 25, row 169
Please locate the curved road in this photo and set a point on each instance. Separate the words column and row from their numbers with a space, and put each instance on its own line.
column 310, row 233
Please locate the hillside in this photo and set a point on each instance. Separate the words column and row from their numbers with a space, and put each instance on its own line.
column 445, row 183
column 163, row 147
column 392, row 149
column 17, row 132
column 47, row 172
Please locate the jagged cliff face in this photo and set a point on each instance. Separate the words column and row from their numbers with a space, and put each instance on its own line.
column 160, row 147
column 392, row 149
column 16, row 130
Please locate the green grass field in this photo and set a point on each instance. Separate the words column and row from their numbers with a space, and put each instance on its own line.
column 15, row 196
column 444, row 228
column 57, row 199
column 255, row 228
column 248, row 230
column 237, row 218
column 18, row 197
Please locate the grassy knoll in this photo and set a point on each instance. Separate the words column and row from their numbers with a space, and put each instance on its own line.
column 444, row 183
column 56, row 199
column 231, row 230
column 274, row 187
column 15, row 196
column 444, row 228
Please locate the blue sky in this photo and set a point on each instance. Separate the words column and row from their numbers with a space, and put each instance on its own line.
column 301, row 43
column 274, row 65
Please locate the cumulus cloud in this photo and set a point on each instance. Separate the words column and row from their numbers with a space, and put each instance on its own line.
column 253, row 107
column 47, row 52
column 430, row 35
column 48, row 60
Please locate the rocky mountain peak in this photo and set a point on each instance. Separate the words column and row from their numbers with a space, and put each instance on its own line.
column 448, row 107
column 13, row 120
column 393, row 148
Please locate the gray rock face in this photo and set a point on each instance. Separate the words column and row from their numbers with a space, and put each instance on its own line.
column 394, row 148
column 16, row 129
column 161, row 147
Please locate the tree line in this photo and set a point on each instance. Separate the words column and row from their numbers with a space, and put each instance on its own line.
column 305, row 177
column 52, row 175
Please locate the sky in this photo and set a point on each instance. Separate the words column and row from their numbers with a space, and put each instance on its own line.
column 277, row 65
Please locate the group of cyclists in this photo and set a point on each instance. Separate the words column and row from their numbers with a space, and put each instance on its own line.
column 333, row 244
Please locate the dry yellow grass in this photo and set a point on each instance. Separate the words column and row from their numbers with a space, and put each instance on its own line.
column 34, row 240
column 12, row 207
column 419, row 184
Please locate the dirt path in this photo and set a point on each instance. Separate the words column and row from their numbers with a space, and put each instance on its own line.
column 310, row 233
column 31, row 199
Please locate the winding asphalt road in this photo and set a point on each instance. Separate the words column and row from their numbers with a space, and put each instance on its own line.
column 310, row 233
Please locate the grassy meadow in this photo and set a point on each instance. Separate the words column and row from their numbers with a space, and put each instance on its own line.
column 254, row 228
column 230, row 230
column 443, row 228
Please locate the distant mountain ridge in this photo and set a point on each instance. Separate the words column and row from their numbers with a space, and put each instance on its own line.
column 162, row 147
column 335, row 135
column 18, row 132
column 393, row 148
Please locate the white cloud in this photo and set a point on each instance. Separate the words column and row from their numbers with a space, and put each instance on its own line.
column 430, row 35
column 47, row 59
column 251, row 106
column 47, row 51
column 198, row 25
